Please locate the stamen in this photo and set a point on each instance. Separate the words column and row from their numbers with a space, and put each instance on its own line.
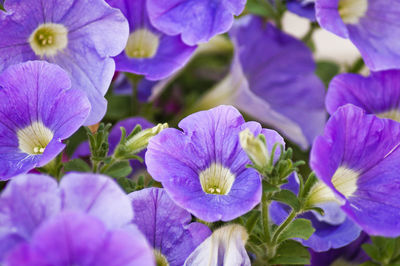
column 34, row 139
column 142, row 43
column 392, row 114
column 216, row 179
column 48, row 39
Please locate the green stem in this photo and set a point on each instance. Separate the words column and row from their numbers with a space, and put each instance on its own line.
column 283, row 226
column 95, row 165
column 105, row 167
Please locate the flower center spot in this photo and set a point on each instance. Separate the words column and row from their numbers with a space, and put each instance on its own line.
column 34, row 138
column 351, row 11
column 216, row 179
column 142, row 43
column 48, row 39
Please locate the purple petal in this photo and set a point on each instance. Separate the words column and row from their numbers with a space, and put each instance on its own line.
column 97, row 195
column 166, row 226
column 26, row 202
column 197, row 21
column 79, row 239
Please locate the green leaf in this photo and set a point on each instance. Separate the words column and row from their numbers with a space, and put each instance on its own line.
column 127, row 184
column 118, row 106
column 269, row 188
column 299, row 228
column 289, row 198
column 77, row 165
column 372, row 251
column 326, row 70
column 291, row 252
column 119, row 169
column 261, row 8
column 252, row 220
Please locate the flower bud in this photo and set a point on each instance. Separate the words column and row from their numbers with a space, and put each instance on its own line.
column 255, row 148
column 139, row 141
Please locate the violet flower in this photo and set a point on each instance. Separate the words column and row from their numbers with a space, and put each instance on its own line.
column 30, row 200
column 149, row 52
column 377, row 94
column 167, row 227
column 357, row 162
column 203, row 168
column 78, row 35
column 273, row 80
column 36, row 115
column 76, row 238
column 197, row 21
column 370, row 24
column 303, row 8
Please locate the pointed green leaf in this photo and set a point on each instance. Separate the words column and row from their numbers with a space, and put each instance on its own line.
column 289, row 198
column 291, row 252
column 76, row 165
column 299, row 228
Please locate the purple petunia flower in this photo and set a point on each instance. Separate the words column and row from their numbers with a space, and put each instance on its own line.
column 30, row 200
column 377, row 94
column 36, row 115
column 303, row 8
column 357, row 160
column 370, row 24
column 352, row 253
column 277, row 85
column 78, row 35
column 149, row 51
column 197, row 21
column 76, row 238
column 129, row 124
column 203, row 169
column 167, row 227
column 333, row 230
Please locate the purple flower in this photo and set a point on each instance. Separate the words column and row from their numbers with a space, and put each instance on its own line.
column 333, row 230
column 36, row 115
column 357, row 161
column 275, row 85
column 377, row 94
column 203, row 169
column 76, row 238
column 167, row 227
column 351, row 253
column 149, row 51
column 129, row 124
column 197, row 21
column 31, row 200
column 370, row 24
column 78, row 35
column 303, row 8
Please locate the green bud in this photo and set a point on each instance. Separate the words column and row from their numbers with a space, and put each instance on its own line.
column 139, row 141
column 255, row 148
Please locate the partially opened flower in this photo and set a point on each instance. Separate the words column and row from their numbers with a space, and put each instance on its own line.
column 303, row 8
column 226, row 246
column 36, row 115
column 357, row 160
column 332, row 230
column 377, row 94
column 30, row 200
column 196, row 21
column 149, row 51
column 357, row 20
column 76, row 238
column 78, row 35
column 167, row 227
column 203, row 169
column 277, row 85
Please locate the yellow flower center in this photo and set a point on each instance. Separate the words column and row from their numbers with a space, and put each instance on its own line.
column 34, row 138
column 344, row 180
column 48, row 39
column 142, row 43
column 216, row 179
column 161, row 260
column 392, row 114
column 351, row 11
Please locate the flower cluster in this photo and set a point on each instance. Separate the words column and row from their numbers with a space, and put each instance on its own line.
column 286, row 159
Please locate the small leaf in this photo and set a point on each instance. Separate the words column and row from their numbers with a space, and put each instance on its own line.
column 119, row 169
column 299, row 228
column 326, row 70
column 291, row 252
column 269, row 188
column 252, row 220
column 289, row 198
column 372, row 251
column 127, row 184
column 77, row 165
